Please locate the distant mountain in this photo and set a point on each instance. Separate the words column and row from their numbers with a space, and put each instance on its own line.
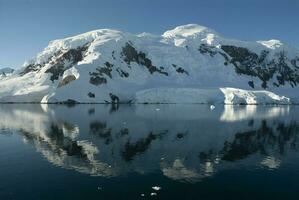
column 189, row 64
column 4, row 72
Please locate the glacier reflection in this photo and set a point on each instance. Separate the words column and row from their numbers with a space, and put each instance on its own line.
column 183, row 142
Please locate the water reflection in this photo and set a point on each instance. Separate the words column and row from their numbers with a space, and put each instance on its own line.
column 183, row 142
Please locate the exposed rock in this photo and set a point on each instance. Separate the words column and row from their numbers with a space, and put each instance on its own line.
column 31, row 68
column 130, row 54
column 180, row 70
column 241, row 55
column 207, row 49
column 251, row 84
column 97, row 78
column 91, row 95
column 122, row 73
column 65, row 61
column 114, row 98
column 113, row 55
column 66, row 80
column 70, row 102
column 252, row 64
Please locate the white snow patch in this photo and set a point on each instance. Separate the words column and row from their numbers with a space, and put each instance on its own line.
column 271, row 44
column 72, row 71
column 239, row 96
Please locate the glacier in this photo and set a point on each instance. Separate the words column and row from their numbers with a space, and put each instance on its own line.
column 189, row 64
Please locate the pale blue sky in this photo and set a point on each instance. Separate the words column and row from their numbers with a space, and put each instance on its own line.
column 26, row 26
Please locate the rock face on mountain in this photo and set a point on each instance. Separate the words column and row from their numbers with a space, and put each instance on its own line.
column 189, row 64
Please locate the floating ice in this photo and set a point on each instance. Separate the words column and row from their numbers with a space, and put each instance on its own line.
column 157, row 188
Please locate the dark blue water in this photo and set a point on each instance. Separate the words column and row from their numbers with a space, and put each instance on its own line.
column 189, row 151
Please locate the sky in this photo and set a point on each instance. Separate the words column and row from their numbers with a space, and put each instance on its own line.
column 27, row 26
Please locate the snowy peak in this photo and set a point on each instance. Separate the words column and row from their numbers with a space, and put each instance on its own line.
column 190, row 34
column 271, row 44
column 189, row 30
column 74, row 42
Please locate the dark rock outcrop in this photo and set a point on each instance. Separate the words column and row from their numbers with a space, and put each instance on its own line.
column 180, row 70
column 130, row 54
column 72, row 57
column 98, row 77
column 207, row 49
column 252, row 64
column 91, row 95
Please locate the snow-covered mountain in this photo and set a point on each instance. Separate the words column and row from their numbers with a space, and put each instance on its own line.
column 5, row 72
column 189, row 64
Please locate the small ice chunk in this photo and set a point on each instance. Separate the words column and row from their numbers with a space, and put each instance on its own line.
column 212, row 107
column 157, row 109
column 153, row 194
column 142, row 195
column 157, row 188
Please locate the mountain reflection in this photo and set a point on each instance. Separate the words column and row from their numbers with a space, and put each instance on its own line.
column 100, row 129
column 264, row 140
column 131, row 150
column 183, row 142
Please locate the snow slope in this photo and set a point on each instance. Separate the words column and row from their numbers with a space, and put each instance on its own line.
column 189, row 64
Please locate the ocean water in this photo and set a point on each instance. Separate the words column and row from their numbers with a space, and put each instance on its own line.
column 148, row 152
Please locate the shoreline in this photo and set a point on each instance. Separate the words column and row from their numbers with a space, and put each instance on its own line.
column 86, row 103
